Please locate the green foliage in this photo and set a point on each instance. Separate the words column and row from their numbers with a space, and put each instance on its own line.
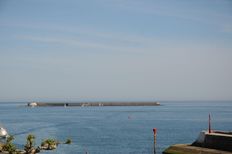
column 30, row 143
column 31, row 140
column 49, row 144
column 68, row 141
column 9, row 146
column 9, row 139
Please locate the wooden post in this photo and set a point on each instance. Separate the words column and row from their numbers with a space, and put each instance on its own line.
column 209, row 124
column 154, row 133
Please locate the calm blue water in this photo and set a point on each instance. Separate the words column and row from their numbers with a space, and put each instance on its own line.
column 115, row 130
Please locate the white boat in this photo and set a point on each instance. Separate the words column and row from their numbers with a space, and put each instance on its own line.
column 32, row 104
column 3, row 132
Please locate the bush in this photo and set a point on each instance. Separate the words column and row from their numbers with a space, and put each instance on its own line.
column 49, row 144
column 9, row 146
column 68, row 141
column 30, row 143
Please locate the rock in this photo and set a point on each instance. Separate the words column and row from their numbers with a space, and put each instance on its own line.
column 47, row 146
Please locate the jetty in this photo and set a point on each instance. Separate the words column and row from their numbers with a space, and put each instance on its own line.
column 208, row 142
column 188, row 149
column 89, row 104
column 215, row 142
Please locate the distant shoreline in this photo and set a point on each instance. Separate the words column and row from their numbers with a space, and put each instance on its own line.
column 82, row 104
column 162, row 101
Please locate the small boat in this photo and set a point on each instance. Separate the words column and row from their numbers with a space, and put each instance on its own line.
column 3, row 132
column 32, row 104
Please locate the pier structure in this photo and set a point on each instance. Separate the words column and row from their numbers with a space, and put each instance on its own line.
column 213, row 142
column 208, row 142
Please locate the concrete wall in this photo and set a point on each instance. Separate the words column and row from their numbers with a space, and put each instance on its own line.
column 214, row 141
column 221, row 142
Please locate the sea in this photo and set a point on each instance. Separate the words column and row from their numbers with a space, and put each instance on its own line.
column 115, row 130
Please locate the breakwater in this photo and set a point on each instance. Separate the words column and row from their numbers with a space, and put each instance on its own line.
column 216, row 142
column 83, row 104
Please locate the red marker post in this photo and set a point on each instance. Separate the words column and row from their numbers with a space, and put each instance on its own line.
column 154, row 133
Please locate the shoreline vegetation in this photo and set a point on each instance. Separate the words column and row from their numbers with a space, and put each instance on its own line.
column 8, row 147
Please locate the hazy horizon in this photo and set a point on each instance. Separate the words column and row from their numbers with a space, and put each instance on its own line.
column 163, row 102
column 98, row 50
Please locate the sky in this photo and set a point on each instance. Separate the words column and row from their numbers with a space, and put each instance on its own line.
column 59, row 50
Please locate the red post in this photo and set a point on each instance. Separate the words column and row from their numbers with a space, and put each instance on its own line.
column 154, row 132
column 209, row 124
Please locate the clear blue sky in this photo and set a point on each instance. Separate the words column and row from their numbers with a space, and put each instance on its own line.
column 115, row 50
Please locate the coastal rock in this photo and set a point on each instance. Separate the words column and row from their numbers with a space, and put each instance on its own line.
column 49, row 144
column 48, row 147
